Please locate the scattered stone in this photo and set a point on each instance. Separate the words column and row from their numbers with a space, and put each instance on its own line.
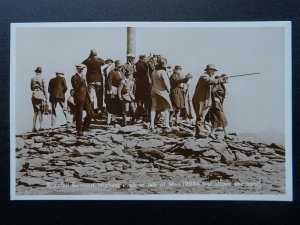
column 241, row 156
column 129, row 129
column 29, row 142
column 165, row 166
column 130, row 144
column 210, row 153
column 117, row 138
column 32, row 182
column 273, row 145
column 150, row 154
column 246, row 163
column 20, row 143
column 151, row 143
column 140, row 133
column 39, row 139
column 68, row 141
column 36, row 145
column 219, row 175
column 240, row 148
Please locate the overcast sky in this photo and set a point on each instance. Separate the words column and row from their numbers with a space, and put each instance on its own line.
column 254, row 103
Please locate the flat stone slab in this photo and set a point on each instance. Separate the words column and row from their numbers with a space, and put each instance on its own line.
column 151, row 143
column 130, row 129
column 32, row 181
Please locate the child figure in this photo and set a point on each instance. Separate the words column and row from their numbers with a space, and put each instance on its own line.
column 125, row 93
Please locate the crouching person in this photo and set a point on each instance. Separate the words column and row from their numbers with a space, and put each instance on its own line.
column 125, row 93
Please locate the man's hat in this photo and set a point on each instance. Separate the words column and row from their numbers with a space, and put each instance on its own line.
column 93, row 52
column 108, row 60
column 177, row 67
column 38, row 69
column 130, row 56
column 118, row 63
column 210, row 66
column 142, row 56
column 164, row 62
column 57, row 73
column 80, row 66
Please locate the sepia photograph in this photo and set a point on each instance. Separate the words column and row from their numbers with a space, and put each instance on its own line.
column 151, row 111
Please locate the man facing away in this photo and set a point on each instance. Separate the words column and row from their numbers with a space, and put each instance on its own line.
column 177, row 92
column 94, row 79
column 57, row 89
column 202, row 99
column 82, row 100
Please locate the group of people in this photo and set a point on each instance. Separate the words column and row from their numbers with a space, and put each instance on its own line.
column 132, row 90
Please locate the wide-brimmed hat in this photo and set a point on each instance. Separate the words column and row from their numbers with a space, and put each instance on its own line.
column 118, row 63
column 80, row 66
column 210, row 66
column 142, row 56
column 130, row 55
column 38, row 69
column 57, row 73
column 108, row 60
column 177, row 67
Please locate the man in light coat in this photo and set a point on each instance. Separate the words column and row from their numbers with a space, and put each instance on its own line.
column 202, row 100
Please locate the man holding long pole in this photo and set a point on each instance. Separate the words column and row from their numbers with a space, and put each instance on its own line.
column 202, row 99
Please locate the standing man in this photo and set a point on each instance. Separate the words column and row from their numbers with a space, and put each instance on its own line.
column 143, row 82
column 82, row 100
column 202, row 99
column 129, row 65
column 95, row 80
column 57, row 89
column 160, row 93
column 177, row 92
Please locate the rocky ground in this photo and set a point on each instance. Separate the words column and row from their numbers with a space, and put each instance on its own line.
column 135, row 160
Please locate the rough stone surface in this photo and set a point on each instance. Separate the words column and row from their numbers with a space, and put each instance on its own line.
column 151, row 143
column 135, row 160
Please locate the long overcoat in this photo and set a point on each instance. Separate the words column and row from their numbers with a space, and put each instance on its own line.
column 57, row 88
column 202, row 96
column 177, row 92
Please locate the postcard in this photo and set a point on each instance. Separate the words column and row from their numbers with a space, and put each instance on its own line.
column 151, row 111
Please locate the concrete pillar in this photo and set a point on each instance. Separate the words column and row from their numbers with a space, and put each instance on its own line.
column 130, row 40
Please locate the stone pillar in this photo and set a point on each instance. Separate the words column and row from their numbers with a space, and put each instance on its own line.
column 131, row 40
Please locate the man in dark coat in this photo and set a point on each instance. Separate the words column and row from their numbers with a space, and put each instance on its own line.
column 142, row 79
column 57, row 89
column 95, row 79
column 82, row 100
column 177, row 91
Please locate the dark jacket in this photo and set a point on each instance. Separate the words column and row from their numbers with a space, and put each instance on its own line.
column 93, row 65
column 80, row 88
column 177, row 93
column 57, row 89
column 114, row 79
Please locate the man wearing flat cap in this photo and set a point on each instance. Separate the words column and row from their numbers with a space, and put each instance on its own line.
column 94, row 79
column 177, row 92
column 202, row 99
column 57, row 89
column 82, row 100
